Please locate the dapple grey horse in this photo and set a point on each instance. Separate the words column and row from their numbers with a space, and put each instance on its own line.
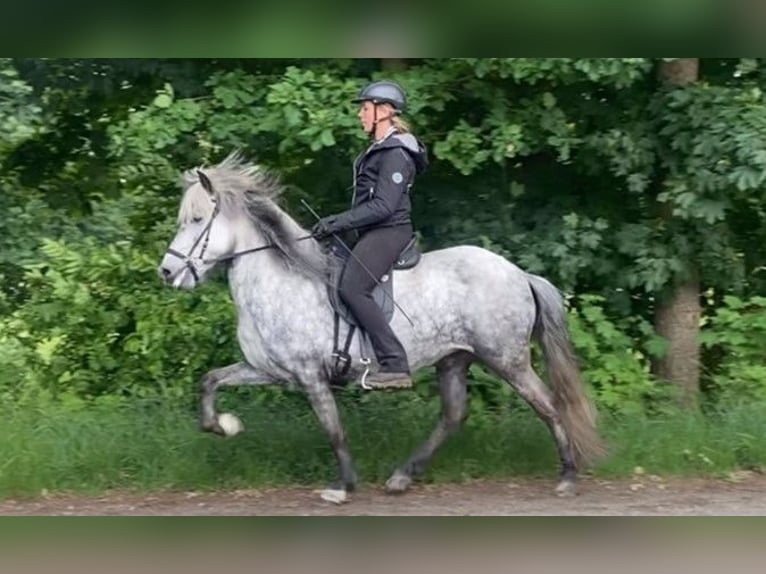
column 462, row 304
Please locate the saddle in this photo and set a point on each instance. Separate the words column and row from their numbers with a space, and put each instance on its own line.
column 383, row 295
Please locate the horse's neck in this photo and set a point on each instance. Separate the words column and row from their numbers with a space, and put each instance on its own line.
column 263, row 275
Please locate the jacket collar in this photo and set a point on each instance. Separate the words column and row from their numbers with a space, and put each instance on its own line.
column 391, row 130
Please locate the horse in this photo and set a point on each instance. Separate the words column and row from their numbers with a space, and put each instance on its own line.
column 458, row 305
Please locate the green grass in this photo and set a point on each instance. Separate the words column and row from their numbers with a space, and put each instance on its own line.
column 94, row 446
column 688, row 443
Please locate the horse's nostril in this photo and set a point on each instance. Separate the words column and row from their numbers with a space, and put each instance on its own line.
column 164, row 272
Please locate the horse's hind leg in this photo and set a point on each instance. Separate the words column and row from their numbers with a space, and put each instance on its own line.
column 451, row 372
column 540, row 398
column 238, row 373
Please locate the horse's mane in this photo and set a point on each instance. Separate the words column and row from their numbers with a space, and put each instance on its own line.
column 243, row 186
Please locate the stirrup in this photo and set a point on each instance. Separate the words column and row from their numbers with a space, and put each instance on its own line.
column 363, row 381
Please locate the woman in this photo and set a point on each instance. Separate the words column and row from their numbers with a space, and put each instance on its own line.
column 380, row 214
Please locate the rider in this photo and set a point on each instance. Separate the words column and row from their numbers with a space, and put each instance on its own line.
column 380, row 215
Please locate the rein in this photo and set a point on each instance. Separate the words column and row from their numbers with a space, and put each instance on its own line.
column 246, row 251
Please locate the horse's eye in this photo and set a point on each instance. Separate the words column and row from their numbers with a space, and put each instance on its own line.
column 196, row 220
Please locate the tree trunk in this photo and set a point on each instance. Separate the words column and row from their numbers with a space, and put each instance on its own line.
column 679, row 71
column 677, row 317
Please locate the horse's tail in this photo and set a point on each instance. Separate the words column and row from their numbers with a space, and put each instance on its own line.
column 578, row 415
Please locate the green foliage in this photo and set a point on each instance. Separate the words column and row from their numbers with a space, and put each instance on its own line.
column 508, row 130
column 655, row 264
column 612, row 361
column 572, row 246
column 629, row 150
column 621, row 72
column 590, row 227
column 736, row 335
column 97, row 322
column 26, row 218
column 527, row 105
column 714, row 148
column 310, row 109
column 20, row 115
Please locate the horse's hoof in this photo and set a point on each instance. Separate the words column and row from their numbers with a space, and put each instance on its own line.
column 336, row 496
column 398, row 483
column 566, row 489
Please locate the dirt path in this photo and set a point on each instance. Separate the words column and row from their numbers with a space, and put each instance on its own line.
column 743, row 494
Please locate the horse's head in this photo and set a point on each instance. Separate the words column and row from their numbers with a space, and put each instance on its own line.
column 204, row 235
column 229, row 210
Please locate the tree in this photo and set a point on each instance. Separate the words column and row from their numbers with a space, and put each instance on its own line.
column 677, row 314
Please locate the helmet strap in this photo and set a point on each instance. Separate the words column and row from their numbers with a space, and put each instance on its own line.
column 376, row 120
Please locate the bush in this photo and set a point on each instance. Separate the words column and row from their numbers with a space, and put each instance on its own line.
column 615, row 365
column 98, row 321
column 735, row 337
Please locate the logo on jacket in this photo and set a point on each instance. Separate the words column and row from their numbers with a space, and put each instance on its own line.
column 397, row 177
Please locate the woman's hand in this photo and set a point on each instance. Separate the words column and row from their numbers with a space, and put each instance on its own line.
column 325, row 227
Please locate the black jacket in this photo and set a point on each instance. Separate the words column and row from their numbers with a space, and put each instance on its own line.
column 383, row 176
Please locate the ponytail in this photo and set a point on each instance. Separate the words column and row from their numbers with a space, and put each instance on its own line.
column 400, row 125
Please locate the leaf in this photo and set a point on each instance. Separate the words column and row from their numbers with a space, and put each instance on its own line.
column 162, row 101
column 327, row 139
column 47, row 348
column 571, row 219
column 293, row 116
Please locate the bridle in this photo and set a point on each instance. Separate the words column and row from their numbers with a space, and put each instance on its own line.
column 204, row 237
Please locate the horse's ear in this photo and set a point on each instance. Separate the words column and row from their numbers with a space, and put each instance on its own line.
column 205, row 181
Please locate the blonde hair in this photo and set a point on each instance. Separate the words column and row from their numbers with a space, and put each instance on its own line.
column 400, row 125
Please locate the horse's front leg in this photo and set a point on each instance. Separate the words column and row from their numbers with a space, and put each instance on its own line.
column 323, row 402
column 238, row 373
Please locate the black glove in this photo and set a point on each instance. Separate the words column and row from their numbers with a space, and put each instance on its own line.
column 325, row 227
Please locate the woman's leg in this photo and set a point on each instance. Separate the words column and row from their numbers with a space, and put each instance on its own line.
column 377, row 250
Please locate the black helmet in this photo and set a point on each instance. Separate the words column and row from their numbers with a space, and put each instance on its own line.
column 383, row 92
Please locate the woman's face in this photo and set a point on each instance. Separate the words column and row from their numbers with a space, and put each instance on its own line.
column 366, row 116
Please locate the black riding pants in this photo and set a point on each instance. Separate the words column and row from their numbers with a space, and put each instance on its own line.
column 377, row 249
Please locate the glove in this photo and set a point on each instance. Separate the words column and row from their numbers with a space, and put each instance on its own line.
column 325, row 227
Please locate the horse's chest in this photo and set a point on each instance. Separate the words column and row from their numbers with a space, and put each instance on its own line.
column 274, row 332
